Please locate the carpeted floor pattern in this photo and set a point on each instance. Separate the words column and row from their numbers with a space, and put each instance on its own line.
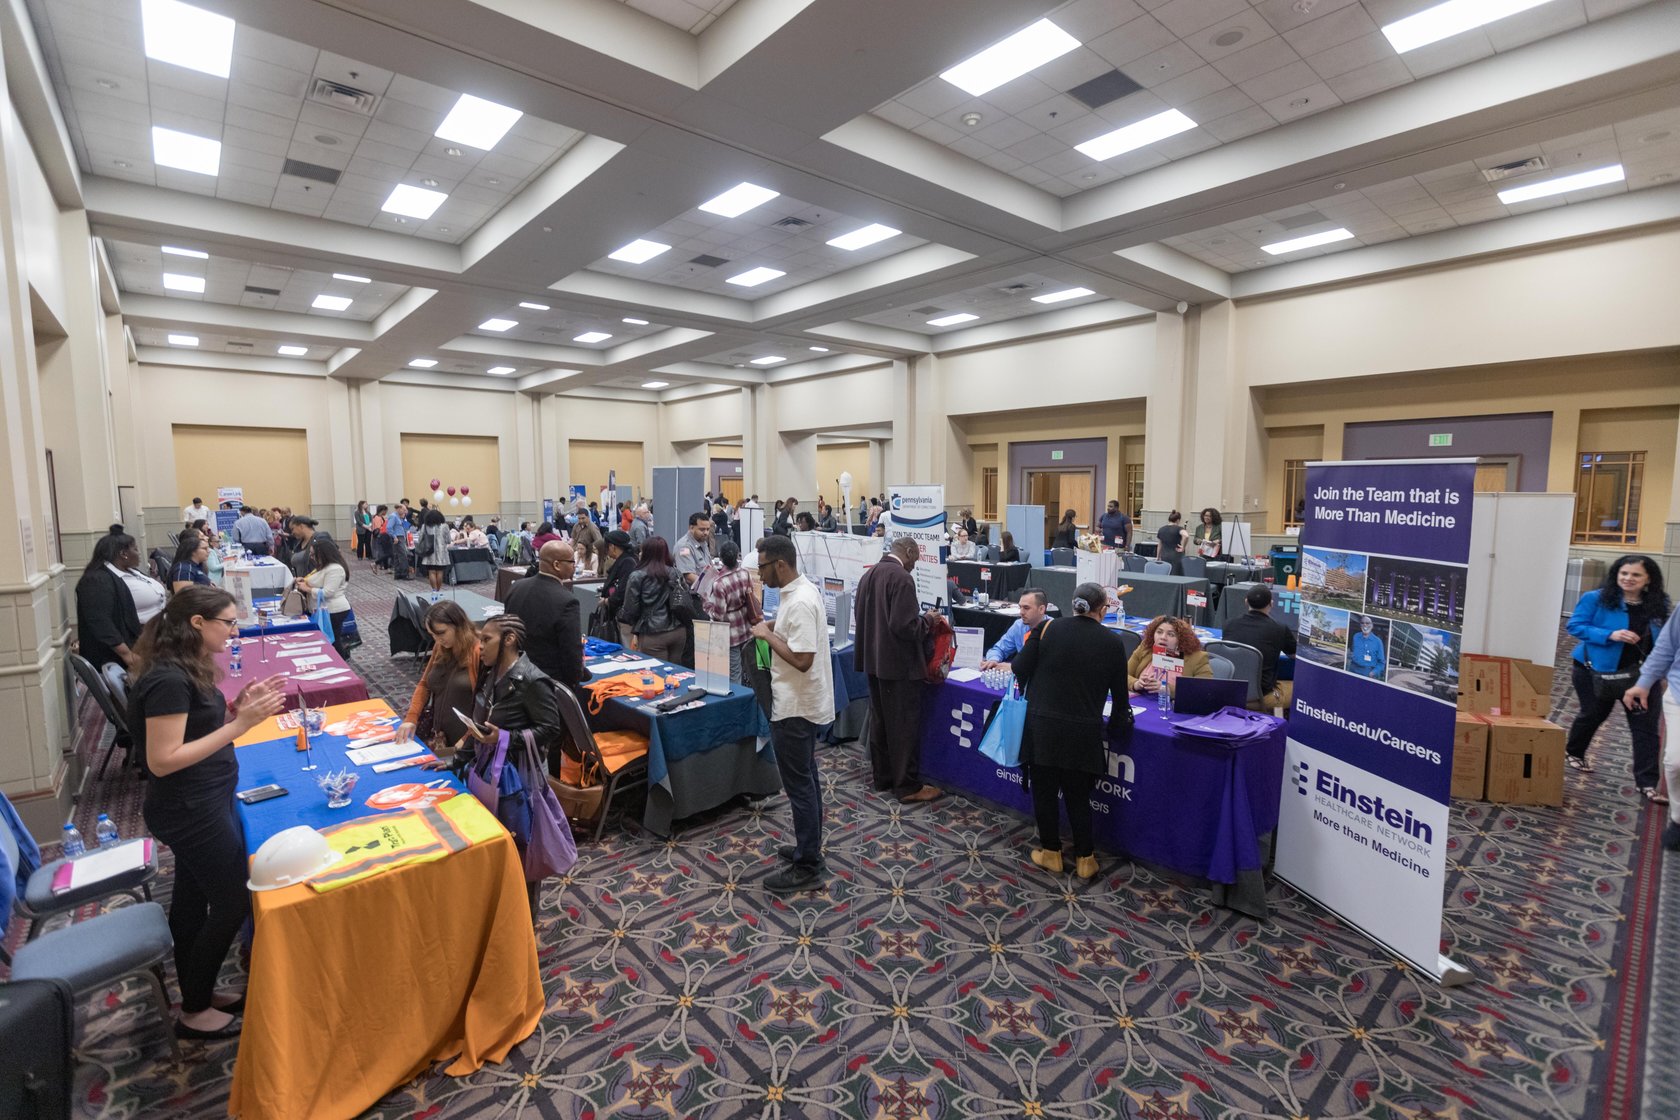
column 939, row 974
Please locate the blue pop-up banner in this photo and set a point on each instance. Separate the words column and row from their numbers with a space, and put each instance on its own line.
column 1362, row 827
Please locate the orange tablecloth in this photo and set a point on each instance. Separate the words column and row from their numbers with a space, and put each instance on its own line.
column 356, row 990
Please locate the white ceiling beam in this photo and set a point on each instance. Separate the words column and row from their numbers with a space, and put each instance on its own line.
column 32, row 97
column 1083, row 317
column 224, row 318
column 1168, row 269
column 218, row 359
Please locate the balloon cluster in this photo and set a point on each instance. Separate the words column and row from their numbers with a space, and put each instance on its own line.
column 439, row 494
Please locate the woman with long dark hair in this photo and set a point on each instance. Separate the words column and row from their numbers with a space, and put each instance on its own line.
column 363, row 520
column 1172, row 537
column 449, row 681
column 192, row 554
column 184, row 732
column 649, row 604
column 107, row 619
column 1007, row 552
column 431, row 547
column 329, row 576
column 1067, row 533
column 1617, row 625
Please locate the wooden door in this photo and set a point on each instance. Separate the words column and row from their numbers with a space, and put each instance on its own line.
column 731, row 488
column 1492, row 478
column 1077, row 487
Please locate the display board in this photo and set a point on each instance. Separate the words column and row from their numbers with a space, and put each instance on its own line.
column 1026, row 525
column 918, row 512
column 677, row 493
column 1363, row 819
column 1519, row 549
column 1235, row 538
column 824, row 556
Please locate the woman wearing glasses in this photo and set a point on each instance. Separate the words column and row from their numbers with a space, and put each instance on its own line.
column 184, row 730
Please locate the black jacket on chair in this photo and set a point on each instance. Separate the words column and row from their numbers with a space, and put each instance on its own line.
column 1068, row 668
column 105, row 616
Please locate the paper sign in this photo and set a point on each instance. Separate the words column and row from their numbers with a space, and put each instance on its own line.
column 971, row 646
column 1195, row 598
column 963, row 675
column 384, row 752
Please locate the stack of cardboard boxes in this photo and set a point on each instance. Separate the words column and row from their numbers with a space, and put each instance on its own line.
column 1504, row 747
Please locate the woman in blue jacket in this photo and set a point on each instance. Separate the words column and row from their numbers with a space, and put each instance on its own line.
column 1617, row 626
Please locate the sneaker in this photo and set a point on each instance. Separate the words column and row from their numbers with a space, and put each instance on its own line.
column 793, row 878
column 1671, row 837
column 790, row 853
column 1086, row 868
column 1050, row 861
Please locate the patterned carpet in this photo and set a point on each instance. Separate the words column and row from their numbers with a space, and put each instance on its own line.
column 940, row 974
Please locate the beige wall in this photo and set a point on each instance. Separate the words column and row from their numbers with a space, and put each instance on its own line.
column 432, row 410
column 270, row 464
column 834, row 458
column 1109, row 364
column 593, row 460
column 702, row 419
column 1283, row 444
column 842, row 400
column 1651, row 430
column 988, row 438
column 473, row 461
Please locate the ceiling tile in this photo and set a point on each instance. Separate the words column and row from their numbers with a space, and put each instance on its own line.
column 1355, row 54
column 1262, row 58
column 1186, row 17
column 1330, row 29
column 1157, row 67
column 1229, row 36
column 1189, row 87
column 1288, row 79
column 1132, row 41
column 1370, row 79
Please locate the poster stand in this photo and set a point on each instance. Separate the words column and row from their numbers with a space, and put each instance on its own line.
column 711, row 656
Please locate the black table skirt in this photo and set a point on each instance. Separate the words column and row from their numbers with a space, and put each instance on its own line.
column 1006, row 579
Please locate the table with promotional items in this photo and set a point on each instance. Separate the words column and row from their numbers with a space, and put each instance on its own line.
column 267, row 573
column 996, row 580
column 698, row 758
column 277, row 623
column 357, row 989
column 994, row 621
column 264, row 657
column 1200, row 808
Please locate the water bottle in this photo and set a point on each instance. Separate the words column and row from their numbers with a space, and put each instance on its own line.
column 1163, row 700
column 235, row 664
column 105, row 830
column 73, row 845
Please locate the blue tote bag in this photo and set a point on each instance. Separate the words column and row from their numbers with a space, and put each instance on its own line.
column 1002, row 741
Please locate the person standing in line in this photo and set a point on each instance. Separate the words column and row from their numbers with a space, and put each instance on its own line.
column 617, row 565
column 801, row 701
column 1617, row 626
column 649, row 604
column 305, row 533
column 1069, row 670
column 107, row 623
column 1116, row 528
column 888, row 649
column 381, row 542
column 398, row 527
column 695, row 550
column 730, row 599
column 553, row 619
column 252, row 533
column 329, row 576
column 364, row 530
column 432, row 547
column 1171, row 535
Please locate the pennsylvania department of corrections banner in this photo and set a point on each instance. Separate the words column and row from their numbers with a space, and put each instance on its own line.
column 918, row 512
column 1363, row 824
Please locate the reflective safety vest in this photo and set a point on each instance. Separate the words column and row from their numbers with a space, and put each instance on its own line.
column 374, row 844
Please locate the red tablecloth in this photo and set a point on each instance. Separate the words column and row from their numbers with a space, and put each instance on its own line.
column 279, row 650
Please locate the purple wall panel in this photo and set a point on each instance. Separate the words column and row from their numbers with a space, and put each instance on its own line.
column 1076, row 454
column 1527, row 437
column 720, row 470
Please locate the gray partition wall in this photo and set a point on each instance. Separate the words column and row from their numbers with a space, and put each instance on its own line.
column 1026, row 525
column 677, row 492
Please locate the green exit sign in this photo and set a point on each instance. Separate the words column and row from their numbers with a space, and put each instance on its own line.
column 1055, row 456
column 1440, row 439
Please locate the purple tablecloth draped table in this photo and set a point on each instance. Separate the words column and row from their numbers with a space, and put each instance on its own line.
column 278, row 648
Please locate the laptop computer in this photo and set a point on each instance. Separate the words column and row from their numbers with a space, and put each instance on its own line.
column 1202, row 696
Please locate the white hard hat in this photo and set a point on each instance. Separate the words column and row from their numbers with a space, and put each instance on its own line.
column 290, row 857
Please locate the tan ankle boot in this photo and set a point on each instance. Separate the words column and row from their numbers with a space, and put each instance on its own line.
column 1050, row 861
column 1086, row 868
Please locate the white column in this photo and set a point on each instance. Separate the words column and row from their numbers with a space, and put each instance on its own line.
column 1164, row 452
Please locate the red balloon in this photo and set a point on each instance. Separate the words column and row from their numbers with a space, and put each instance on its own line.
column 450, row 490
column 436, row 482
column 464, row 489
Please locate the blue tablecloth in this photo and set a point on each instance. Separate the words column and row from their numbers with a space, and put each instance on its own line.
column 279, row 626
column 850, row 685
column 1196, row 808
column 279, row 762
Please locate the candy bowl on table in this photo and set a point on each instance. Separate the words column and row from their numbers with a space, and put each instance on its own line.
column 337, row 785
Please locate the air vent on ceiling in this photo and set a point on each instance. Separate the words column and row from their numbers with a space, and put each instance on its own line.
column 1302, row 221
column 924, row 310
column 236, row 345
column 1104, row 88
column 344, row 97
column 1013, row 288
column 313, row 171
column 253, row 290
column 792, row 223
column 706, row 260
column 1508, row 170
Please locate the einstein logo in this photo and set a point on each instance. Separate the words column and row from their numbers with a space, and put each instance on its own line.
column 961, row 724
column 1301, row 780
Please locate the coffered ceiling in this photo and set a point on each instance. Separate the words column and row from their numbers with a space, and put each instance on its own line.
column 1299, row 118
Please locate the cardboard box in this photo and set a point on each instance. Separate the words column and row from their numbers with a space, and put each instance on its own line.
column 1470, row 756
column 1506, row 686
column 1525, row 761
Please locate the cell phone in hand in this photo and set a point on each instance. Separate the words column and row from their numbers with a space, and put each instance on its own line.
column 478, row 728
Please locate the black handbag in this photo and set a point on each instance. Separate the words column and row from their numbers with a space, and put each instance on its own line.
column 1611, row 686
column 601, row 623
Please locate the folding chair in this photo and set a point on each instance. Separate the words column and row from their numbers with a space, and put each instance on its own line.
column 1157, row 568
column 1133, row 562
column 37, row 903
column 1247, row 662
column 1223, row 670
column 617, row 760
column 114, row 715
column 1131, row 640
column 1195, row 566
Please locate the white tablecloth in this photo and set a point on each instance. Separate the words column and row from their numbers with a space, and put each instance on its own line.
column 267, row 574
column 1098, row 567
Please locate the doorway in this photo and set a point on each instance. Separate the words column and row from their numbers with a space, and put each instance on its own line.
column 1062, row 490
column 731, row 488
column 1494, row 475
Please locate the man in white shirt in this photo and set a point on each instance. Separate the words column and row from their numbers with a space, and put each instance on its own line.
column 198, row 511
column 801, row 701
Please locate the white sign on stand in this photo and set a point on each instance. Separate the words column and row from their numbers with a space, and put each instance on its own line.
column 711, row 656
column 236, row 581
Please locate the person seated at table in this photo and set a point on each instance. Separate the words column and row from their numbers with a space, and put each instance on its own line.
column 213, row 561
column 431, row 547
column 804, row 522
column 617, row 564
column 1067, row 533
column 191, row 556
column 1069, row 669
column 183, row 732
column 1170, row 637
column 1034, row 604
column 330, row 577
column 586, row 543
column 962, row 545
column 106, row 617
column 471, row 535
column 516, row 697
column 826, row 521
column 447, row 684
column 649, row 608
column 1259, row 629
column 1008, row 553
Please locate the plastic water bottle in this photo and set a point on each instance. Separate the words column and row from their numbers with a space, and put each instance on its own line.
column 236, row 666
column 105, row 830
column 73, row 845
column 1163, row 699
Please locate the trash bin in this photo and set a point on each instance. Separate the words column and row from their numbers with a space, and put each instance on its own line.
column 1286, row 562
column 1582, row 575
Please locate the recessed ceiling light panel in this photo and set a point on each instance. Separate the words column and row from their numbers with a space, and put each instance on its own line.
column 534, row 306
column 753, row 277
column 592, row 336
column 637, row 322
column 1058, row 297
column 655, row 384
column 768, row 360
column 737, row 200
column 637, row 251
column 413, row 202
column 1137, row 135
column 1311, row 241
column 183, row 340
column 186, row 152
column 477, row 123
column 352, row 277
column 500, row 371
column 952, row 320
column 195, row 254
column 177, row 282
column 331, row 303
column 498, row 324
column 1580, row 181
column 819, row 349
column 292, row 351
column 422, row 363
column 1455, row 17
column 1021, row 53
column 183, row 35
column 868, row 235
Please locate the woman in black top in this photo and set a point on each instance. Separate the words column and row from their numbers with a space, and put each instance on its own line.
column 1068, row 670
column 1171, row 536
column 1009, row 554
column 185, row 731
column 617, row 563
column 188, row 569
column 649, row 609
column 1067, row 533
column 107, row 622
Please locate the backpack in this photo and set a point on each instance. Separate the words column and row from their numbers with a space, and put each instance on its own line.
column 939, row 643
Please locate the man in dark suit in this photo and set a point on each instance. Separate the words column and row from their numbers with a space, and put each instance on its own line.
column 553, row 620
column 1259, row 629
column 889, row 651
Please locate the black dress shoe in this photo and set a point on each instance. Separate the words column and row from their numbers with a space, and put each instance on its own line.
column 237, row 1007
column 1671, row 837
column 795, row 878
column 791, row 854
column 193, row 1034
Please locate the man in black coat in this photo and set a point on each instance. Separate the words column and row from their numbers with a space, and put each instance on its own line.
column 553, row 620
column 889, row 651
column 1259, row 629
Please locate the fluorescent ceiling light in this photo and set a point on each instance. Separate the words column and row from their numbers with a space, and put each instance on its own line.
column 768, row 361
column 535, row 306
column 183, row 340
column 819, row 349
column 592, row 336
column 637, row 251
column 1311, row 241
column 1580, row 181
column 331, row 303
column 352, row 277
column 498, row 324
column 195, row 254
column 186, row 152
column 1136, row 135
column 753, row 277
column 500, row 371
column 422, row 363
column 477, row 123
column 1058, row 297
column 868, row 235
column 637, row 322
column 293, row 351
column 737, row 200
column 176, row 282
column 1021, row 53
column 413, row 202
column 952, row 320
column 1443, row 21
column 183, row 35
column 655, row 384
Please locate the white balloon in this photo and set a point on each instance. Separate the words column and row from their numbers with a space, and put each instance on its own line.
column 454, row 501
column 437, row 496
column 467, row 501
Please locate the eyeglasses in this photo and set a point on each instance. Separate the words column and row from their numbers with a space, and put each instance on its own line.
column 225, row 621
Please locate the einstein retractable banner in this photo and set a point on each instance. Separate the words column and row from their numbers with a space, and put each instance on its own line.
column 1362, row 828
